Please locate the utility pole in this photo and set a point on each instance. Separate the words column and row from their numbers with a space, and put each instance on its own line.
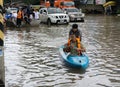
column 44, row 1
column 94, row 4
column 2, row 68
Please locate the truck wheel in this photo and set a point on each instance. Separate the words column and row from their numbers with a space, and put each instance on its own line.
column 67, row 23
column 82, row 19
column 49, row 22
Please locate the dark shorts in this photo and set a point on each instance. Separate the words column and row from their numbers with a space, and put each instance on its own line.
column 66, row 49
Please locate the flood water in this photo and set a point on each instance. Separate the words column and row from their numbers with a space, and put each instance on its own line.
column 32, row 56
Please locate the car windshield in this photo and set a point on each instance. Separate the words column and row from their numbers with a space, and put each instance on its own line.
column 72, row 10
column 54, row 10
column 69, row 4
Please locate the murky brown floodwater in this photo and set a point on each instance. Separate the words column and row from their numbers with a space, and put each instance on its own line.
column 32, row 58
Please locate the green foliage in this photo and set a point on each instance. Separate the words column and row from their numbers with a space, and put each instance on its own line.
column 29, row 1
column 24, row 1
column 32, row 1
column 7, row 1
column 118, row 11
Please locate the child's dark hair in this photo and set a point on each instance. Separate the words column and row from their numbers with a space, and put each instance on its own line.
column 74, row 26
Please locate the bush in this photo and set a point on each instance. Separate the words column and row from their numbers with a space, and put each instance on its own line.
column 118, row 11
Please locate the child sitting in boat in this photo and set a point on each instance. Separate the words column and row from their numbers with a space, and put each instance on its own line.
column 74, row 46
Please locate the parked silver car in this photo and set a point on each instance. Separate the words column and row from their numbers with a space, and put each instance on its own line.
column 53, row 15
column 74, row 14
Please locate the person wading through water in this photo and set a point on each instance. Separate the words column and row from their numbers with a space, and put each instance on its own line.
column 19, row 17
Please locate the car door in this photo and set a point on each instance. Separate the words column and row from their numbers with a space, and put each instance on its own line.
column 41, row 15
column 45, row 15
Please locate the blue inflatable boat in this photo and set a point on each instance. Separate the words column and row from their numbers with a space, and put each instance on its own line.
column 77, row 61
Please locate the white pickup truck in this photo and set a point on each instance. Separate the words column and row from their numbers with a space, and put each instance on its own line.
column 53, row 15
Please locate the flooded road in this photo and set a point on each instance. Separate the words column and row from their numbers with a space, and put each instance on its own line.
column 32, row 56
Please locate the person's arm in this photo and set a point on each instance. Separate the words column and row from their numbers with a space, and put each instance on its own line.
column 80, row 35
column 82, row 48
column 69, row 34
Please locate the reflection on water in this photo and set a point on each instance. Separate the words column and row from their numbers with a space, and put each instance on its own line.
column 32, row 57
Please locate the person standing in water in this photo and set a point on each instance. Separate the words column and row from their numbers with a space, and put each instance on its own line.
column 19, row 17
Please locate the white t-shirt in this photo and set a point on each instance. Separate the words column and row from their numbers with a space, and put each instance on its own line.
column 14, row 15
column 36, row 15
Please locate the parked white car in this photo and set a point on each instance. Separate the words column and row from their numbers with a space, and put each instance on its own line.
column 53, row 15
column 74, row 14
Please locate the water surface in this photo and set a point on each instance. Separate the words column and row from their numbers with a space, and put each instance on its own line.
column 32, row 56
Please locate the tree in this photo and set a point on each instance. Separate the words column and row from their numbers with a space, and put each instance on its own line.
column 24, row 1
column 7, row 1
column 31, row 1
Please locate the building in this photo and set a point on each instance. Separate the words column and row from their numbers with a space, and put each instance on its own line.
column 92, row 6
column 97, row 6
